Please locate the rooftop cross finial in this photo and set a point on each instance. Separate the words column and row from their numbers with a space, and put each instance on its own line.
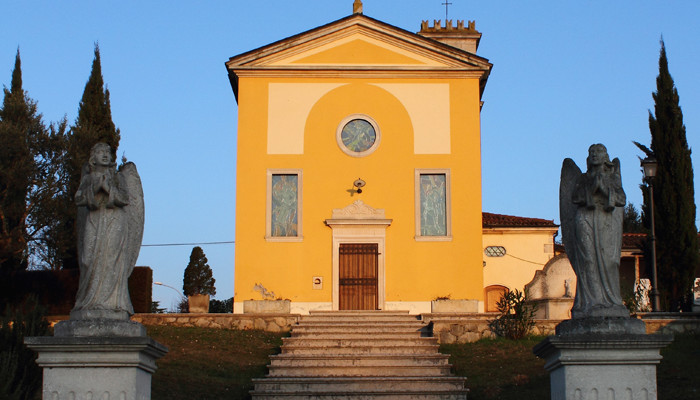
column 357, row 7
column 446, row 4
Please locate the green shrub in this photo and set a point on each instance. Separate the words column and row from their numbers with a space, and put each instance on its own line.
column 141, row 289
column 55, row 290
column 221, row 306
column 20, row 376
column 517, row 316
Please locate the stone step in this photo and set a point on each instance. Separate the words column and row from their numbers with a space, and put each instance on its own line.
column 358, row 312
column 364, row 323
column 369, row 360
column 359, row 385
column 322, row 334
column 459, row 316
column 361, row 318
column 416, row 349
column 360, row 355
column 365, row 329
column 360, row 315
column 376, row 371
column 368, row 329
column 368, row 341
column 413, row 395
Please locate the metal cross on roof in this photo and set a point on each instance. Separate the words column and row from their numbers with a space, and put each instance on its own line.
column 446, row 4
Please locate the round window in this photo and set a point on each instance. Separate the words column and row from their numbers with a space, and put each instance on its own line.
column 358, row 135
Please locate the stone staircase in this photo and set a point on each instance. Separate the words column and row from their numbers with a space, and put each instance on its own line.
column 359, row 355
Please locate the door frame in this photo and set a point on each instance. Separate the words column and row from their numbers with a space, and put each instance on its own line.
column 358, row 223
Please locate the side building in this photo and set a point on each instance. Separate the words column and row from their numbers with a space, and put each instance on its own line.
column 514, row 249
column 359, row 167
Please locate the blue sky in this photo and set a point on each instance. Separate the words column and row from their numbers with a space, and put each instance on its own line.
column 566, row 74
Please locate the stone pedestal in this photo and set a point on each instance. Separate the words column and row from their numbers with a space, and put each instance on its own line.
column 266, row 306
column 198, row 303
column 594, row 365
column 96, row 367
column 553, row 308
column 454, row 306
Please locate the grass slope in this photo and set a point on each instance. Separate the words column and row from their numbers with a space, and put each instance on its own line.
column 210, row 364
column 678, row 375
column 500, row 368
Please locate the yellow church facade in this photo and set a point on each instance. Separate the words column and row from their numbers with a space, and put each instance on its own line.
column 359, row 167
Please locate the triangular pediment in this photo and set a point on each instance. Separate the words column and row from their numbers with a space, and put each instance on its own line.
column 357, row 50
column 357, row 46
column 355, row 42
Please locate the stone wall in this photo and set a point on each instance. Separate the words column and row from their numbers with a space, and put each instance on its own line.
column 267, row 322
column 466, row 328
column 671, row 323
column 447, row 327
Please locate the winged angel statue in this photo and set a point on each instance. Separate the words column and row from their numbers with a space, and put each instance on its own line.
column 591, row 210
column 110, row 229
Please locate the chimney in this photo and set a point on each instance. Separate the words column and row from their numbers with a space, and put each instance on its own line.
column 465, row 38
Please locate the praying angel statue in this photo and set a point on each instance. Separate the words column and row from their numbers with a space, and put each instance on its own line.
column 110, row 229
column 591, row 210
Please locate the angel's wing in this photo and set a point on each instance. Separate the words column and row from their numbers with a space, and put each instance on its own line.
column 616, row 164
column 570, row 173
column 134, row 210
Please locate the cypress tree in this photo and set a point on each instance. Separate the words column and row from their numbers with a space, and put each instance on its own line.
column 49, row 200
column 93, row 125
column 674, row 194
column 20, row 127
column 198, row 275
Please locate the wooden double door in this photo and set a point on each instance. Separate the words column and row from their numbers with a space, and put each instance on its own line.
column 358, row 276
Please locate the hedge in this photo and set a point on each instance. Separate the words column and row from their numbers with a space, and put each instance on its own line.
column 56, row 290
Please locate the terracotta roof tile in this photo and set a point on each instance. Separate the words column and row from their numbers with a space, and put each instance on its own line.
column 490, row 220
column 633, row 240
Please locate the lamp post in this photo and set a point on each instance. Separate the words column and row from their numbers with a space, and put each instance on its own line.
column 177, row 291
column 649, row 166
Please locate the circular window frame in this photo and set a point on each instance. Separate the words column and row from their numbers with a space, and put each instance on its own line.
column 339, row 133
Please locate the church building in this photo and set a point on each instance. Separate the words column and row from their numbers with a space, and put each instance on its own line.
column 359, row 167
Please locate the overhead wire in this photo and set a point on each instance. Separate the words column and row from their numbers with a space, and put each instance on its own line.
column 186, row 244
column 524, row 260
